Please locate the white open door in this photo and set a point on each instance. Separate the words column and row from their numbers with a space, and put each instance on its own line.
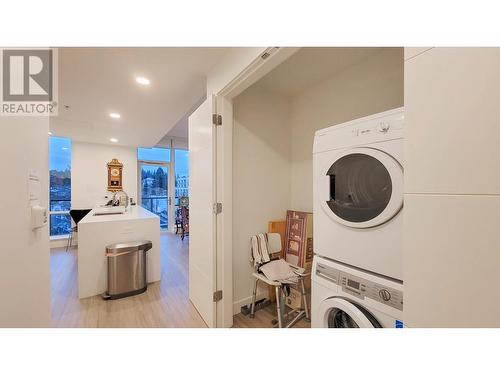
column 210, row 169
column 202, row 254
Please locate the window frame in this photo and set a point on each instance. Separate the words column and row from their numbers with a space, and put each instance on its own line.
column 64, row 212
column 171, row 199
column 175, row 175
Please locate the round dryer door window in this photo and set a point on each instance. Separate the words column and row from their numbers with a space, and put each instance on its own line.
column 338, row 312
column 363, row 188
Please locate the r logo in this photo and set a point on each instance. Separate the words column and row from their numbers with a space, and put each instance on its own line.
column 27, row 75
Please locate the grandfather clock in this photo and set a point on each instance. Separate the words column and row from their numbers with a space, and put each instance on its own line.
column 115, row 175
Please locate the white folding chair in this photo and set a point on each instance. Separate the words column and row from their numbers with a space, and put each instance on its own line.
column 274, row 249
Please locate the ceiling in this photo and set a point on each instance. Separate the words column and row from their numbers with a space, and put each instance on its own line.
column 94, row 82
column 310, row 66
column 290, row 77
column 180, row 129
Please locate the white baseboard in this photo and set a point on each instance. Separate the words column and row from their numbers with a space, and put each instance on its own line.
column 58, row 242
column 62, row 241
column 248, row 300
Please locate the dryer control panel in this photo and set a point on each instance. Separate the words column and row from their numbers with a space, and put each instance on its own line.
column 361, row 288
column 380, row 127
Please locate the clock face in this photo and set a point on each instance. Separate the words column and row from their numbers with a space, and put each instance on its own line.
column 115, row 172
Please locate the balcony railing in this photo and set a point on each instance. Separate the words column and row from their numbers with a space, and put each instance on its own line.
column 157, row 205
column 60, row 221
column 60, row 205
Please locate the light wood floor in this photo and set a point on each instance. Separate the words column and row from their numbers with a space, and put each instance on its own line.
column 164, row 304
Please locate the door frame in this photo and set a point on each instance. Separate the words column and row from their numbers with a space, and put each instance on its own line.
column 168, row 166
column 223, row 138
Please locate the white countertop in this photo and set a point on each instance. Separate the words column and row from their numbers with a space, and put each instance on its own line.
column 97, row 232
column 133, row 213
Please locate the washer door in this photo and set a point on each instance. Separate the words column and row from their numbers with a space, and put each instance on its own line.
column 361, row 187
column 337, row 312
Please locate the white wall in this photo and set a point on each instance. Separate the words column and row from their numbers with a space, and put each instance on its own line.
column 24, row 253
column 452, row 188
column 89, row 172
column 261, row 176
column 372, row 86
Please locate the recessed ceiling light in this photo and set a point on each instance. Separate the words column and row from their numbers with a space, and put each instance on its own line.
column 114, row 140
column 65, row 148
column 142, row 81
column 114, row 115
column 50, row 133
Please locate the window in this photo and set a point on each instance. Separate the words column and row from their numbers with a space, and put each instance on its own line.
column 153, row 173
column 155, row 154
column 60, row 185
column 181, row 174
column 156, row 194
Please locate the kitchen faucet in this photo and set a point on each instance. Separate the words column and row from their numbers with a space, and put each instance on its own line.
column 116, row 201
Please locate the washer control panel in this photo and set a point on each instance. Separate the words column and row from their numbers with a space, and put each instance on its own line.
column 328, row 273
column 361, row 288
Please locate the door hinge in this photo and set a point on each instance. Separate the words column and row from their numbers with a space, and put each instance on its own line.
column 217, row 208
column 217, row 119
column 217, row 295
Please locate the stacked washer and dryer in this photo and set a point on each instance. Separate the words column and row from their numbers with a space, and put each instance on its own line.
column 358, row 198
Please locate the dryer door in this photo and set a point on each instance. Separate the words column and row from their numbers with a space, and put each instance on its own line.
column 337, row 312
column 361, row 187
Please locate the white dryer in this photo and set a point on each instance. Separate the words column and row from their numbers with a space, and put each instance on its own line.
column 346, row 297
column 358, row 193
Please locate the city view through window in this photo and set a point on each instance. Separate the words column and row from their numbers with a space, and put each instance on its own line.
column 181, row 174
column 154, row 182
column 60, row 185
column 154, row 176
column 154, row 191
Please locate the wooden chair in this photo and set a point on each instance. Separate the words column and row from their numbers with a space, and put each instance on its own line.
column 279, row 288
column 178, row 221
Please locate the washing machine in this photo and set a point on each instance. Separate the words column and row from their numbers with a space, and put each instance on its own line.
column 358, row 193
column 347, row 297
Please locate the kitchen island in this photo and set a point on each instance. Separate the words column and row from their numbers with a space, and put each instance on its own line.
column 95, row 232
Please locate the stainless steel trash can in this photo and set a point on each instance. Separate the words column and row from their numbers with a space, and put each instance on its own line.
column 126, row 269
